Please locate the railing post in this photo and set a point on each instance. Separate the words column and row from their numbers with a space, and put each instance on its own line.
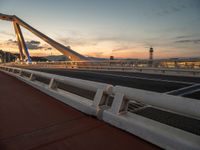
column 53, row 84
column 32, row 77
column 120, row 104
column 20, row 73
column 100, row 98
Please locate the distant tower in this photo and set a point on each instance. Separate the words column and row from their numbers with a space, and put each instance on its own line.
column 151, row 54
column 111, row 57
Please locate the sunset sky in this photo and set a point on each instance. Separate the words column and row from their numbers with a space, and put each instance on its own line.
column 100, row 28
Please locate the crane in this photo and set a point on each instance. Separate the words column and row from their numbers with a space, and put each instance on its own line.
column 24, row 54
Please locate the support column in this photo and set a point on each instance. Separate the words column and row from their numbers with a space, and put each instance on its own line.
column 22, row 42
column 22, row 57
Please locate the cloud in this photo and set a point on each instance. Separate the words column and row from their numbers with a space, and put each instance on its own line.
column 11, row 42
column 196, row 41
column 7, row 33
column 76, row 41
column 175, row 6
column 95, row 54
column 172, row 7
column 182, row 37
column 123, row 48
column 33, row 45
column 109, row 38
column 115, row 38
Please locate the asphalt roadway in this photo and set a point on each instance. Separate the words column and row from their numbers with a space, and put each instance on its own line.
column 151, row 82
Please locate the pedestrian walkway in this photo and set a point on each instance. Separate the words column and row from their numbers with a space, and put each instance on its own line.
column 30, row 119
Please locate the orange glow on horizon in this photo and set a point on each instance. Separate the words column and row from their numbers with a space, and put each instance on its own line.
column 105, row 51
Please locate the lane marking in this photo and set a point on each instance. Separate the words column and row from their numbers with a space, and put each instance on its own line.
column 185, row 90
column 141, row 78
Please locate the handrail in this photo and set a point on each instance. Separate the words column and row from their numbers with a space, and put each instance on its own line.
column 89, row 106
column 186, row 106
column 182, row 105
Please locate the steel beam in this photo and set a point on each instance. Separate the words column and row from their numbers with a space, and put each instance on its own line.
column 71, row 54
column 68, row 52
column 6, row 17
column 21, row 41
column 22, row 57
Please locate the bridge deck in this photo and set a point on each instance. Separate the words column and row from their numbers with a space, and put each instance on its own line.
column 32, row 120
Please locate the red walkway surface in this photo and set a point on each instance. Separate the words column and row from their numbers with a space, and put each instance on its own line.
column 30, row 119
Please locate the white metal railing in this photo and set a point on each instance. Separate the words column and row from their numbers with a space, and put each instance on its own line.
column 182, row 105
column 89, row 106
column 165, row 136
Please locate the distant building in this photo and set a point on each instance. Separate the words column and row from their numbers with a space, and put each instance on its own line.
column 7, row 57
column 57, row 58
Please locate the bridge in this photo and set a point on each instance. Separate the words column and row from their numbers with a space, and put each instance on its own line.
column 110, row 104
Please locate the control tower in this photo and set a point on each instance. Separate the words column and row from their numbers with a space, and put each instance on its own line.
column 151, row 56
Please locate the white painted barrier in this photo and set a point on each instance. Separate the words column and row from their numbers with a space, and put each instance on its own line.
column 163, row 135
column 182, row 105
column 157, row 133
column 88, row 106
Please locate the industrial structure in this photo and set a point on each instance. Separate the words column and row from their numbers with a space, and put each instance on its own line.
column 24, row 54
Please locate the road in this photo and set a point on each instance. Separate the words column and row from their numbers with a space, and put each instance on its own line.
column 158, row 83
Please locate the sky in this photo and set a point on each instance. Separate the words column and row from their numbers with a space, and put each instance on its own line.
column 101, row 28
